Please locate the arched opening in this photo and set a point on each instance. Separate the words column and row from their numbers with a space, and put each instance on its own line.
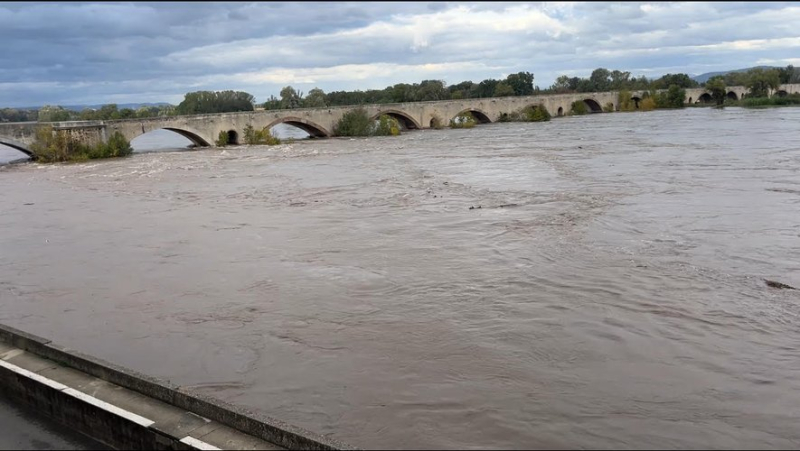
column 282, row 128
column 593, row 105
column 690, row 100
column 781, row 93
column 732, row 95
column 636, row 101
column 705, row 98
column 233, row 137
column 560, row 111
column 406, row 122
column 479, row 115
column 167, row 140
column 12, row 151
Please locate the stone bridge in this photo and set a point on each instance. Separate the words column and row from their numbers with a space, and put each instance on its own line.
column 204, row 129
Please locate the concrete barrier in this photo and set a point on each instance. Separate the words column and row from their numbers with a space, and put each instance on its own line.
column 66, row 408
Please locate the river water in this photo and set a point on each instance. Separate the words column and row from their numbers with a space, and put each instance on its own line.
column 594, row 281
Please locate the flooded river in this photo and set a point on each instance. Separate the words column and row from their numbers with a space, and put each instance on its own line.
column 594, row 281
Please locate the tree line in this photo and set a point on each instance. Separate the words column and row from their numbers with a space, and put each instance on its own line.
column 759, row 81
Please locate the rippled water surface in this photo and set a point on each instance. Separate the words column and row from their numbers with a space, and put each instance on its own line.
column 594, row 281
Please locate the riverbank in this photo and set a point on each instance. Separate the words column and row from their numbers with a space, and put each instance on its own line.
column 126, row 410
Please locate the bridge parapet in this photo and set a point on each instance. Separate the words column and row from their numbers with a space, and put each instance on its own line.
column 203, row 129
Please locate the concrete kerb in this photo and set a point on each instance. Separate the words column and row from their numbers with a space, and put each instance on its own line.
column 257, row 425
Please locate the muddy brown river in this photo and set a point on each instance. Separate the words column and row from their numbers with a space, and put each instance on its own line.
column 590, row 282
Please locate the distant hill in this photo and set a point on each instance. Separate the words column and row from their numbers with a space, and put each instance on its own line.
column 704, row 77
column 120, row 106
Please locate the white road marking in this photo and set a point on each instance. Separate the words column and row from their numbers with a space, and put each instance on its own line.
column 31, row 375
column 130, row 416
column 199, row 444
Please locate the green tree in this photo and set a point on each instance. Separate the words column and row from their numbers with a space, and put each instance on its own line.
column 108, row 112
column 51, row 113
column 619, row 79
column 205, row 102
column 674, row 97
column 462, row 90
column 681, row 80
column 315, row 99
column 716, row 87
column 503, row 89
column 431, row 90
column 355, row 122
column 88, row 114
column 290, row 98
column 600, row 80
column 485, row 88
column 521, row 83
column 561, row 85
column 760, row 81
column 273, row 103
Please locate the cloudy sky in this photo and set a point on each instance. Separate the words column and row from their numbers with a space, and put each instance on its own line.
column 96, row 53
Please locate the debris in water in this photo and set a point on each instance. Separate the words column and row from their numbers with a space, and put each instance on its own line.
column 773, row 284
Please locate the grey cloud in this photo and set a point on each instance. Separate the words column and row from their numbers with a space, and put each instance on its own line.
column 156, row 51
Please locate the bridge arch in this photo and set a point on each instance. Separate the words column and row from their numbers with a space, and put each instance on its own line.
column 480, row 115
column 781, row 93
column 404, row 118
column 14, row 144
column 233, row 137
column 732, row 95
column 313, row 129
column 196, row 139
column 593, row 105
column 560, row 111
column 704, row 98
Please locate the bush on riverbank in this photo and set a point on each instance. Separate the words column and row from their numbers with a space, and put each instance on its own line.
column 647, row 104
column 625, row 101
column 765, row 102
column 51, row 146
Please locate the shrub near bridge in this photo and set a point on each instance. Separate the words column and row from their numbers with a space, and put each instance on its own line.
column 387, row 126
column 463, row 120
column 358, row 123
column 52, row 146
column 579, row 107
column 354, row 123
column 536, row 113
column 263, row 136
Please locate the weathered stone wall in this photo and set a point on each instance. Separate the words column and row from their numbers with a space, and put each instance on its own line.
column 204, row 129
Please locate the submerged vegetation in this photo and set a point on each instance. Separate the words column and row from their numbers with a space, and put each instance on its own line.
column 263, row 136
column 463, row 120
column 537, row 113
column 357, row 122
column 51, row 146
column 765, row 102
